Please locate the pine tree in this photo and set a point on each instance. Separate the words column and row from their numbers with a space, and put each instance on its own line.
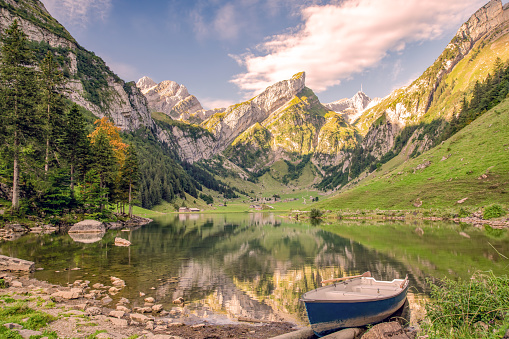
column 104, row 163
column 76, row 145
column 52, row 102
column 20, row 119
column 130, row 174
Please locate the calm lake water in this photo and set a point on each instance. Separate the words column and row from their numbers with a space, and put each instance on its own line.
column 258, row 265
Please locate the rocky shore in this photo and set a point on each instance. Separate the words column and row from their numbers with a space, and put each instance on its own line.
column 12, row 231
column 81, row 311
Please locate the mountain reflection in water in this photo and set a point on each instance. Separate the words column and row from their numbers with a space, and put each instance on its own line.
column 239, row 265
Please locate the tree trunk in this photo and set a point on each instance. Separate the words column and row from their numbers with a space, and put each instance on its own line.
column 130, row 201
column 72, row 179
column 46, row 159
column 15, row 180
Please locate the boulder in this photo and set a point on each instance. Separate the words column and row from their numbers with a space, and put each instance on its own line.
column 122, row 242
column 117, row 314
column 18, row 228
column 88, row 226
column 74, row 293
column 15, row 264
column 93, row 310
column 118, row 322
column 388, row 330
column 26, row 334
column 140, row 318
column 157, row 308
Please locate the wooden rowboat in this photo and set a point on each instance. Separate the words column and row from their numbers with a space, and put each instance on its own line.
column 353, row 302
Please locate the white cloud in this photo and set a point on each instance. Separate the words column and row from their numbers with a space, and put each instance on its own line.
column 226, row 24
column 337, row 41
column 211, row 103
column 78, row 12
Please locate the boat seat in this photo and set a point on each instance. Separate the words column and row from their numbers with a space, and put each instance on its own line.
column 340, row 295
column 381, row 288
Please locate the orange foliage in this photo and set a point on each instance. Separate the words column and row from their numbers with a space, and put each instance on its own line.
column 119, row 148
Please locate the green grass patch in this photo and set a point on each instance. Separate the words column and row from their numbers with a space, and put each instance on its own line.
column 473, row 308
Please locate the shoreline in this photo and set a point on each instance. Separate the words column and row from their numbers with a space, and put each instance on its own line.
column 79, row 311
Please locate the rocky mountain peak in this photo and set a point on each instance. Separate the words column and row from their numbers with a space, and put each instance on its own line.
column 145, row 84
column 351, row 108
column 229, row 124
column 169, row 97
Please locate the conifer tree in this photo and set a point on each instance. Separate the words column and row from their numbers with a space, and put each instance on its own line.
column 130, row 174
column 52, row 81
column 76, row 145
column 20, row 119
column 104, row 162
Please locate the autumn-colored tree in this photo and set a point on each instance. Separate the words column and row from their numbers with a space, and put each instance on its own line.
column 105, row 125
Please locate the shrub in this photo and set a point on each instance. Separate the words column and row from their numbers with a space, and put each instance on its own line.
column 3, row 283
column 493, row 211
column 315, row 213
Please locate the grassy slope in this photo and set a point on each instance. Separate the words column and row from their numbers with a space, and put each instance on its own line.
column 480, row 148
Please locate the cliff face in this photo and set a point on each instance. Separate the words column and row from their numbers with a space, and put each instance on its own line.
column 109, row 96
column 228, row 125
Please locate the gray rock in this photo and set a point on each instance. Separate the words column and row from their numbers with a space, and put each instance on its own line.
column 12, row 326
column 122, row 242
column 18, row 228
column 157, row 308
column 117, row 314
column 93, row 310
column 118, row 322
column 88, row 226
column 26, row 334
column 15, row 264
column 140, row 318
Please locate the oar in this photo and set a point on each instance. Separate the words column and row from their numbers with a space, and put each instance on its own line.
column 365, row 274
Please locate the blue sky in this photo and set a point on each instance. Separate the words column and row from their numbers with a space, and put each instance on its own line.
column 225, row 51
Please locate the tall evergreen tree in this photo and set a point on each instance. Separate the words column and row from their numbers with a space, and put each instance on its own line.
column 130, row 174
column 20, row 119
column 52, row 80
column 104, row 162
column 76, row 145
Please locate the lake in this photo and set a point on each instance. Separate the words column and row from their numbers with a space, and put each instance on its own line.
column 257, row 265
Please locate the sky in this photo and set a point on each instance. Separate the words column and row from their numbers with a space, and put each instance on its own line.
column 227, row 51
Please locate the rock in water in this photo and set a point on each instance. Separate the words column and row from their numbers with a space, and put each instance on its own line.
column 122, row 242
column 88, row 226
column 15, row 264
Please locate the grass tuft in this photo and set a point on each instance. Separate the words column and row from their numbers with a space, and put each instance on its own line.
column 474, row 308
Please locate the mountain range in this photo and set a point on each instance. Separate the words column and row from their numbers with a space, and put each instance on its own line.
column 341, row 142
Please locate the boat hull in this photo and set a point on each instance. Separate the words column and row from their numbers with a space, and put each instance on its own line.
column 329, row 316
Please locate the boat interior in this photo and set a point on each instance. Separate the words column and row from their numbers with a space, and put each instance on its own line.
column 357, row 289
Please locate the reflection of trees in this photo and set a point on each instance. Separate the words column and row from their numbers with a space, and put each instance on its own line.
column 246, row 265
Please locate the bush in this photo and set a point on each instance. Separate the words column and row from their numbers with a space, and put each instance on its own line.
column 493, row 211
column 3, row 283
column 315, row 213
